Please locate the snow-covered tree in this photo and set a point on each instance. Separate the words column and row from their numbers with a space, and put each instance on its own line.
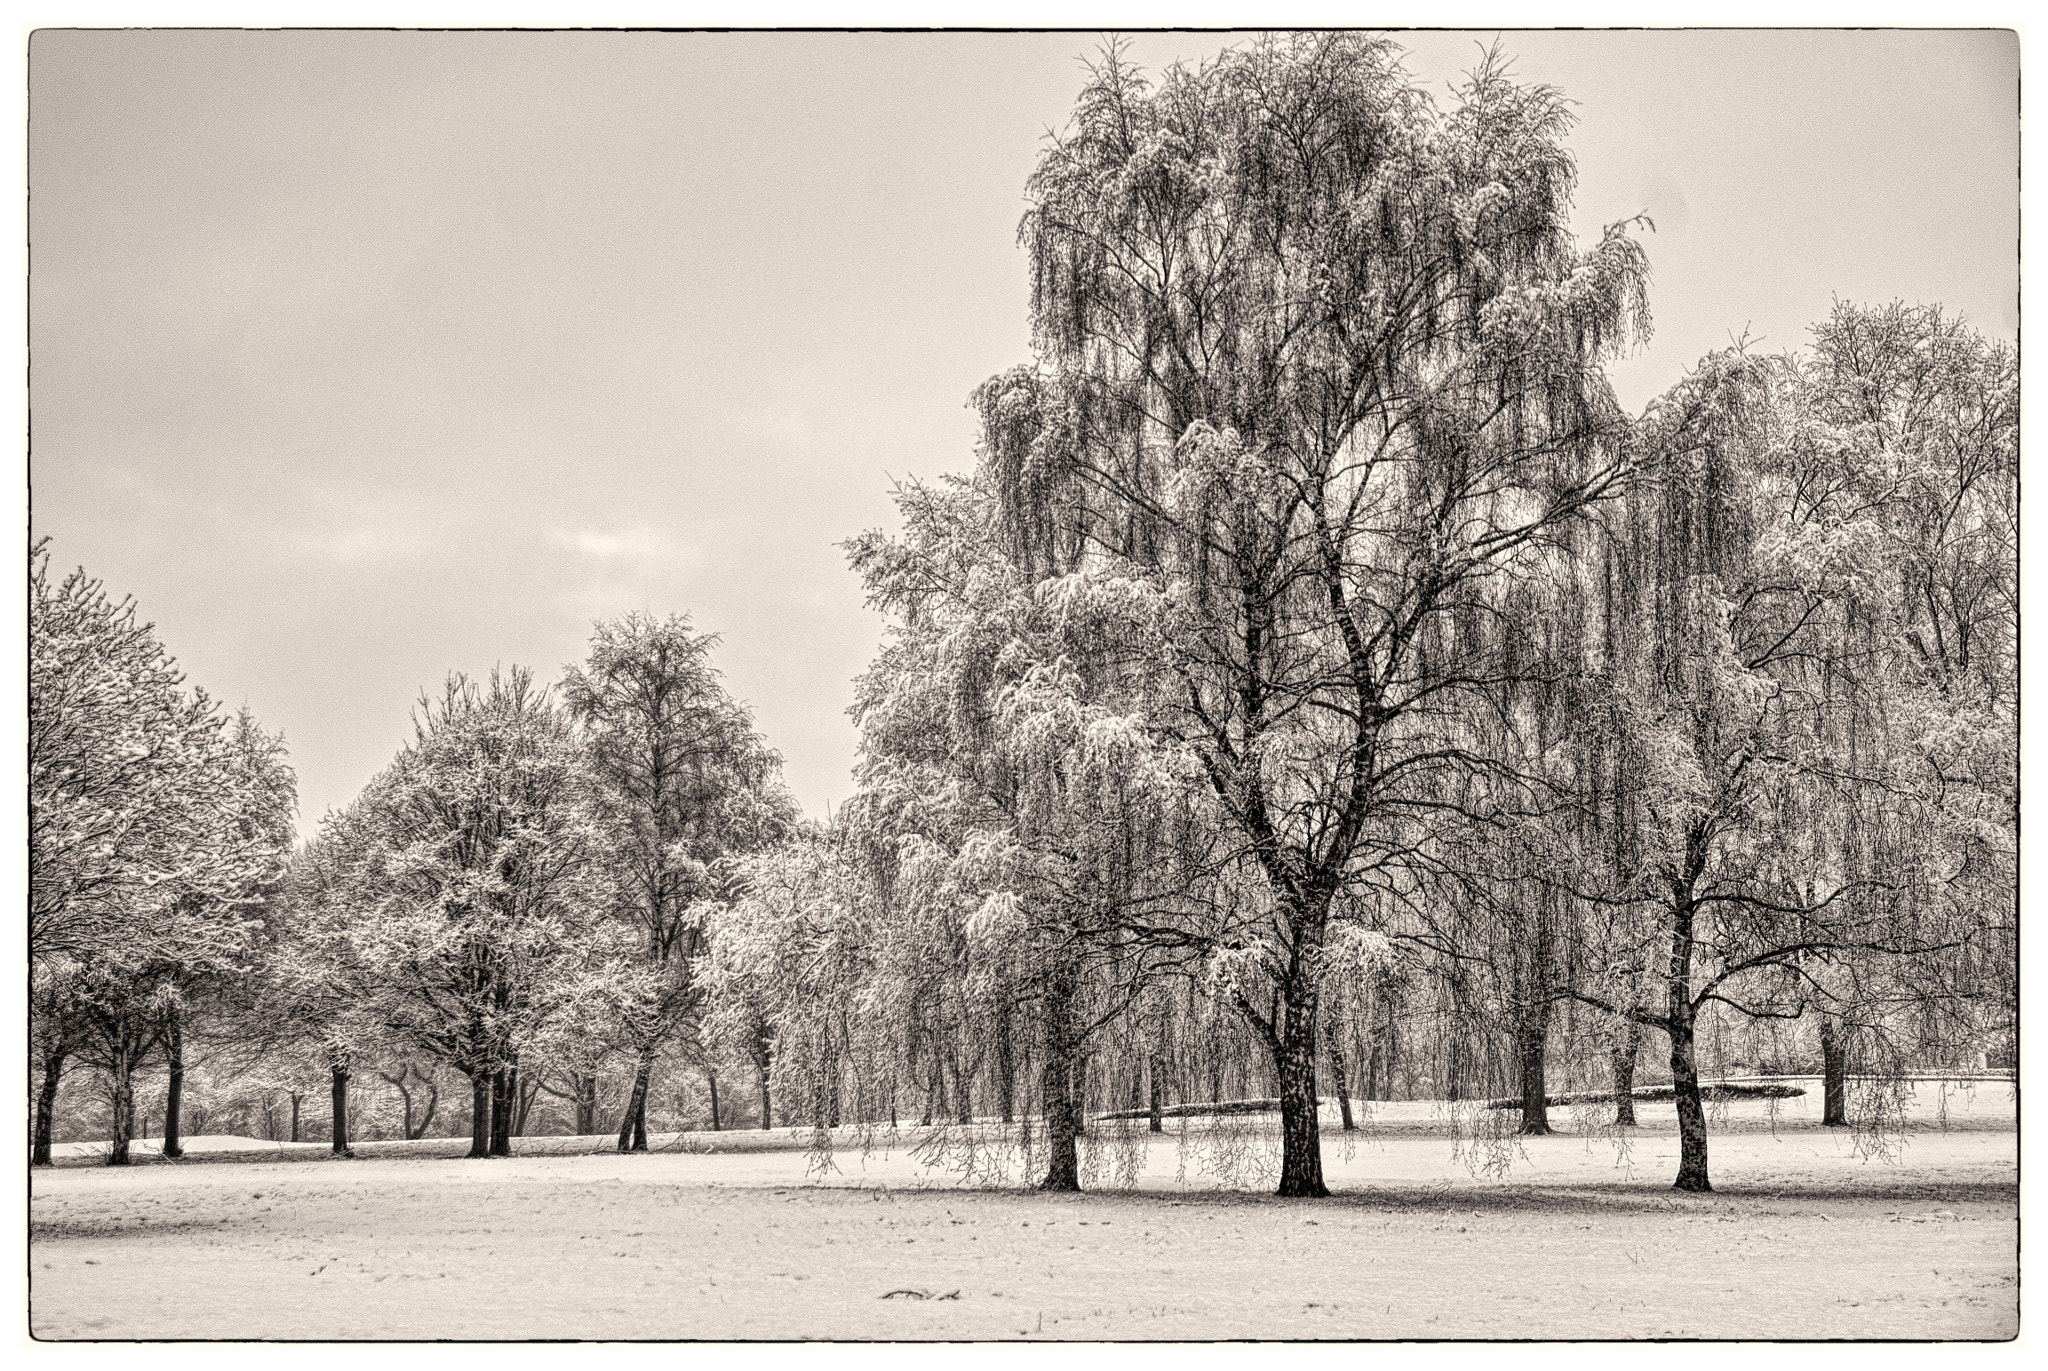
column 1027, row 831
column 470, row 889
column 132, row 785
column 691, row 786
column 1318, row 364
column 1766, row 843
column 1909, row 414
column 157, row 829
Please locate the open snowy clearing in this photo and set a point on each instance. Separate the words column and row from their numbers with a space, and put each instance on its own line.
column 1574, row 1242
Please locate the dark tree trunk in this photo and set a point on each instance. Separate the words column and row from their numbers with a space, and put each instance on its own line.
column 124, row 1097
column 1063, row 1169
column 1339, row 1080
column 504, row 1091
column 633, row 1128
column 174, row 1093
column 1393, row 1044
column 414, row 1131
column 338, row 1091
column 1301, row 1133
column 46, row 1100
column 1006, row 1067
column 1533, row 1040
column 1077, row 1078
column 1625, row 1075
column 297, row 1100
column 763, row 1054
column 963, row 1094
column 586, row 1103
column 1685, row 1084
column 1057, row 1086
column 522, row 1101
column 1834, row 1074
column 934, row 1083
column 480, row 1112
column 1156, row 1109
column 711, row 1079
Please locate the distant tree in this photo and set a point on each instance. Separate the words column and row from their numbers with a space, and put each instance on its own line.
column 692, row 786
column 788, row 952
column 419, row 1092
column 1908, row 413
column 56, row 1033
column 130, row 789
column 1027, row 830
column 1769, row 840
column 157, row 828
column 466, row 889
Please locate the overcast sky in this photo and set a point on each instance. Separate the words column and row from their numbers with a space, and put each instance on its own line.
column 358, row 358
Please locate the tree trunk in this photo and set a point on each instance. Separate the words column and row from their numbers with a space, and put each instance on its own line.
column 404, row 1099
column 586, row 1103
column 1625, row 1074
column 1301, row 1134
column 297, row 1098
column 426, row 1115
column 633, row 1128
column 1339, row 1081
column 963, row 1094
column 1063, row 1169
column 1057, row 1086
column 504, row 1089
column 480, row 1112
column 1834, row 1075
column 767, row 1103
column 522, row 1100
column 711, row 1079
column 1535, row 1102
column 46, row 1100
column 124, row 1097
column 338, row 1093
column 1077, row 1077
column 1685, row 1084
column 1006, row 1068
column 1156, row 1108
column 174, row 1093
column 1393, row 1044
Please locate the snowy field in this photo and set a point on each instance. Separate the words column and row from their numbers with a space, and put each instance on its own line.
column 1807, row 1236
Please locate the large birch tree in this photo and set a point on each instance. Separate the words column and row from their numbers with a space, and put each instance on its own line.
column 1321, row 361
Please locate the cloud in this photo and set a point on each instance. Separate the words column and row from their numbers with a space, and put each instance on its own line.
column 640, row 543
column 634, row 566
column 368, row 543
column 354, row 526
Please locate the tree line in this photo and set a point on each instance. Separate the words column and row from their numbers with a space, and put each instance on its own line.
column 1318, row 687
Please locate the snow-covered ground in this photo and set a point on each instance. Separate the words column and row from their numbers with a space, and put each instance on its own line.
column 1808, row 1235
column 143, row 1149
